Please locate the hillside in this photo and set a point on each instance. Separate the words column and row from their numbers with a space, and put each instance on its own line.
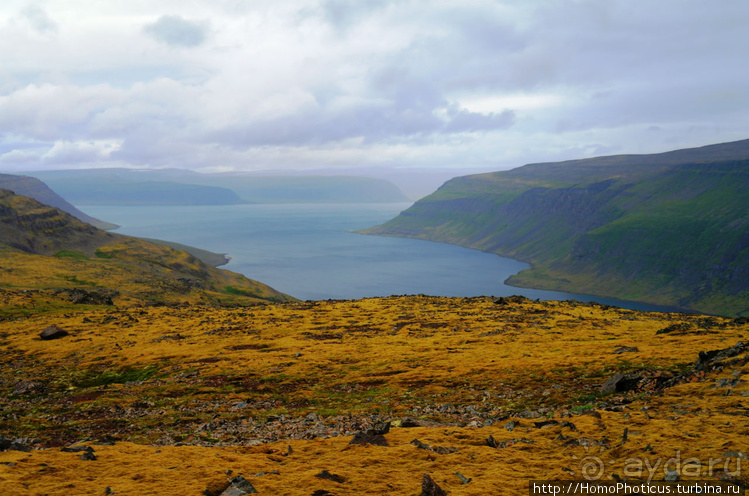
column 34, row 188
column 364, row 397
column 44, row 247
column 669, row 229
column 184, row 187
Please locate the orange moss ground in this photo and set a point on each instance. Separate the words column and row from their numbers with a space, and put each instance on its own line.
column 221, row 380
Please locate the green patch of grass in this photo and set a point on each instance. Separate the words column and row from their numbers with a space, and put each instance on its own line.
column 121, row 376
column 233, row 290
column 76, row 255
column 105, row 254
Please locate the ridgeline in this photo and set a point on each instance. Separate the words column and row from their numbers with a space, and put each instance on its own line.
column 669, row 229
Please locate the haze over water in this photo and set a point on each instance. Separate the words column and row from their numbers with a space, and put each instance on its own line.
column 309, row 251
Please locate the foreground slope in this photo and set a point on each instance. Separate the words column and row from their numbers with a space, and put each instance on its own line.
column 669, row 229
column 43, row 247
column 483, row 395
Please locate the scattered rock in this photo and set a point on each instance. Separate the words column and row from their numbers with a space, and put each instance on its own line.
column 491, row 442
column 88, row 455
column 681, row 328
column 510, row 426
column 510, row 442
column 324, row 474
column 364, row 438
column 567, row 423
column 13, row 445
column 545, row 423
column 27, row 387
column 239, row 486
column 375, row 435
column 379, row 429
column 430, row 488
column 53, row 332
column 108, row 491
column 463, row 479
column 734, row 454
column 81, row 296
column 411, row 422
column 77, row 449
column 625, row 349
column 442, row 450
column 708, row 359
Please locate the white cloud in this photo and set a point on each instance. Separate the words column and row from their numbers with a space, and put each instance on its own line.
column 318, row 83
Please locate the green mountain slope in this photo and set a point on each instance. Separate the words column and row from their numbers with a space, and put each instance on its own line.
column 44, row 247
column 669, row 229
column 36, row 189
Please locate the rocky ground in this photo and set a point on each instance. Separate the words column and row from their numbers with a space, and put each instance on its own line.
column 401, row 395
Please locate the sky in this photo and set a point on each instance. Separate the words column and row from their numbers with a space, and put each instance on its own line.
column 231, row 85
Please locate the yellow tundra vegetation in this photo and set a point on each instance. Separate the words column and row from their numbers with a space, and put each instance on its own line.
column 483, row 395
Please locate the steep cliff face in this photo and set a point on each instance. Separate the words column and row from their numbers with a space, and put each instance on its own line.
column 663, row 229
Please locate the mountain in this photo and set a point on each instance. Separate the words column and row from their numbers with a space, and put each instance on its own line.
column 669, row 229
column 257, row 188
column 44, row 247
column 127, row 187
column 36, row 189
column 184, row 187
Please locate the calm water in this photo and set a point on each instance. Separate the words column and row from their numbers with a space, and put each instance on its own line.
column 308, row 251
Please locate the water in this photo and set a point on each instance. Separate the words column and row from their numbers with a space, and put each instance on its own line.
column 309, row 251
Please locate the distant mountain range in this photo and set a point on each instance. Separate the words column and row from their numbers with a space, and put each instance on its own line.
column 183, row 187
column 669, row 229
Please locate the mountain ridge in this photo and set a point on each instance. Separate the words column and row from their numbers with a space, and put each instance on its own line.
column 38, row 190
column 669, row 229
column 44, row 247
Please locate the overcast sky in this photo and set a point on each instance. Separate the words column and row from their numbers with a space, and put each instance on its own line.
column 297, row 84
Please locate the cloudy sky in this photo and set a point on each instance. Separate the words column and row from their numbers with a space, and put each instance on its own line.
column 220, row 85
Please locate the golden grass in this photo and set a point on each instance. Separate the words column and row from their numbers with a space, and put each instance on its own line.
column 148, row 377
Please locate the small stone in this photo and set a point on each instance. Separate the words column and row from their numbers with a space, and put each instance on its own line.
column 430, row 488
column 239, row 486
column 53, row 332
column 88, row 455
column 625, row 349
column 324, row 474
column 364, row 438
column 27, row 387
column 379, row 429
column 411, row 422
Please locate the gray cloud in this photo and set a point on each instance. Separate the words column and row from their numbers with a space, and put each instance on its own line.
column 39, row 19
column 176, row 31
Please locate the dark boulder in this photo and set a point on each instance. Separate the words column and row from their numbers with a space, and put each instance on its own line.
column 53, row 332
column 430, row 488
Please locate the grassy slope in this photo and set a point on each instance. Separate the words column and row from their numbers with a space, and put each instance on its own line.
column 221, row 380
column 668, row 233
column 44, row 247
